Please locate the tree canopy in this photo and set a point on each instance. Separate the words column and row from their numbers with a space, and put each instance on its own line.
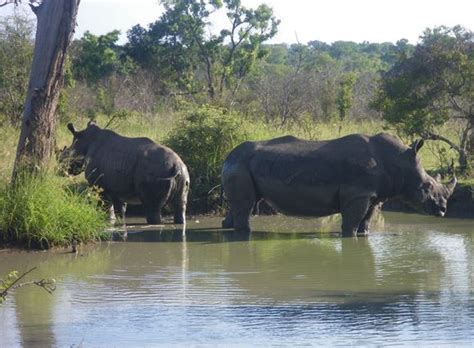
column 16, row 52
column 431, row 86
column 181, row 45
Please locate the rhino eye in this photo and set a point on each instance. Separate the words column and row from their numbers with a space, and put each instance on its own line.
column 427, row 186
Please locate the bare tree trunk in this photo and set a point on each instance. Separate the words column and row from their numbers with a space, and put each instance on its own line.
column 55, row 28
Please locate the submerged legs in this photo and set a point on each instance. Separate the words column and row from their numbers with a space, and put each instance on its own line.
column 356, row 215
column 240, row 193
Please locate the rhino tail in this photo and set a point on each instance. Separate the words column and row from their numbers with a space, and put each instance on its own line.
column 177, row 172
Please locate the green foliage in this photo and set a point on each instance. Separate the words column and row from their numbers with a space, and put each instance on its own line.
column 344, row 97
column 42, row 212
column 433, row 85
column 178, row 45
column 96, row 57
column 444, row 158
column 203, row 138
column 16, row 54
column 6, row 283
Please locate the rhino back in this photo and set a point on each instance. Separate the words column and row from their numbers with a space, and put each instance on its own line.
column 314, row 162
column 114, row 161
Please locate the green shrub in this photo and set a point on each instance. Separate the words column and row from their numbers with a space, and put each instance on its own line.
column 203, row 138
column 42, row 212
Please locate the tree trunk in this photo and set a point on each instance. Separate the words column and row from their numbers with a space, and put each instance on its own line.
column 56, row 20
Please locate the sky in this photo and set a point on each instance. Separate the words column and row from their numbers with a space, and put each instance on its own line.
column 302, row 20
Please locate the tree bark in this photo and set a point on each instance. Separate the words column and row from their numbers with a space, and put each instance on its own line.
column 56, row 21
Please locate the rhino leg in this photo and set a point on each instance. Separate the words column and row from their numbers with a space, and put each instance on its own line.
column 153, row 213
column 112, row 217
column 119, row 208
column 227, row 222
column 363, row 228
column 154, row 197
column 179, row 203
column 353, row 213
column 110, row 205
column 153, row 209
column 240, row 193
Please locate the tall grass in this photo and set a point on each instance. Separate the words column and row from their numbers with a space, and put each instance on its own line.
column 42, row 212
column 8, row 142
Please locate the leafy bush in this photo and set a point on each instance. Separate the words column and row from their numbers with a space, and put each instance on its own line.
column 42, row 212
column 203, row 138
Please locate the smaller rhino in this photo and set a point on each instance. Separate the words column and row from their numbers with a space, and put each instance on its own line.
column 129, row 170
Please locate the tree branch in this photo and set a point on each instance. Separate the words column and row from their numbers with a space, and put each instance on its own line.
column 433, row 136
column 457, row 107
column 4, row 293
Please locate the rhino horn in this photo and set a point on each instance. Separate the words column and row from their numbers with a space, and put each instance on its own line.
column 71, row 128
column 451, row 185
column 91, row 123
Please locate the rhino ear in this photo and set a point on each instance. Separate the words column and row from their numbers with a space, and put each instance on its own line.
column 437, row 177
column 71, row 128
column 451, row 185
column 416, row 146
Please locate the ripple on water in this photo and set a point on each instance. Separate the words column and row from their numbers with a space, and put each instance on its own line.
column 411, row 284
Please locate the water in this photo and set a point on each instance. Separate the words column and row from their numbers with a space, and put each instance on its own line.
column 294, row 283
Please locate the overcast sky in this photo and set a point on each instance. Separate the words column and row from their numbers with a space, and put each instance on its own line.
column 305, row 20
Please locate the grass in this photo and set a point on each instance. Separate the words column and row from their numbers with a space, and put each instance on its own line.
column 159, row 128
column 8, row 141
column 43, row 212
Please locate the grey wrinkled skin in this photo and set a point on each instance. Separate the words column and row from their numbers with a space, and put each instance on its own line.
column 129, row 170
column 352, row 175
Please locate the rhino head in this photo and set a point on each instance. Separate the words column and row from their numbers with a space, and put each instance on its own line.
column 425, row 190
column 73, row 158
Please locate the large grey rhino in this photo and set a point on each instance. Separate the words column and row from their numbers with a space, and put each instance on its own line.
column 129, row 170
column 352, row 175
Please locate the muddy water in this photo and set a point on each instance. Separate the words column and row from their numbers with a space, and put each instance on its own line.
column 293, row 283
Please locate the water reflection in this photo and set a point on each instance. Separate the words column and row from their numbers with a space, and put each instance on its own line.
column 410, row 283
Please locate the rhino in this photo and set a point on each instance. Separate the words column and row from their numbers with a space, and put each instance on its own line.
column 353, row 175
column 129, row 170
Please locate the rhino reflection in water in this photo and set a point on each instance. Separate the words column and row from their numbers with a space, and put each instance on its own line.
column 129, row 170
column 352, row 175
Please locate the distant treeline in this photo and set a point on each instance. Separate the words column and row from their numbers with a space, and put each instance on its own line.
column 166, row 64
column 279, row 83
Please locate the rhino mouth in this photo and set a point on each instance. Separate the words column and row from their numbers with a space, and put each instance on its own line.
column 436, row 210
column 76, row 166
column 441, row 212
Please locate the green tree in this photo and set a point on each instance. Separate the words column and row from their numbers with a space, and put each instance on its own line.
column 432, row 86
column 222, row 60
column 203, row 138
column 167, row 50
column 344, row 97
column 16, row 54
column 97, row 57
